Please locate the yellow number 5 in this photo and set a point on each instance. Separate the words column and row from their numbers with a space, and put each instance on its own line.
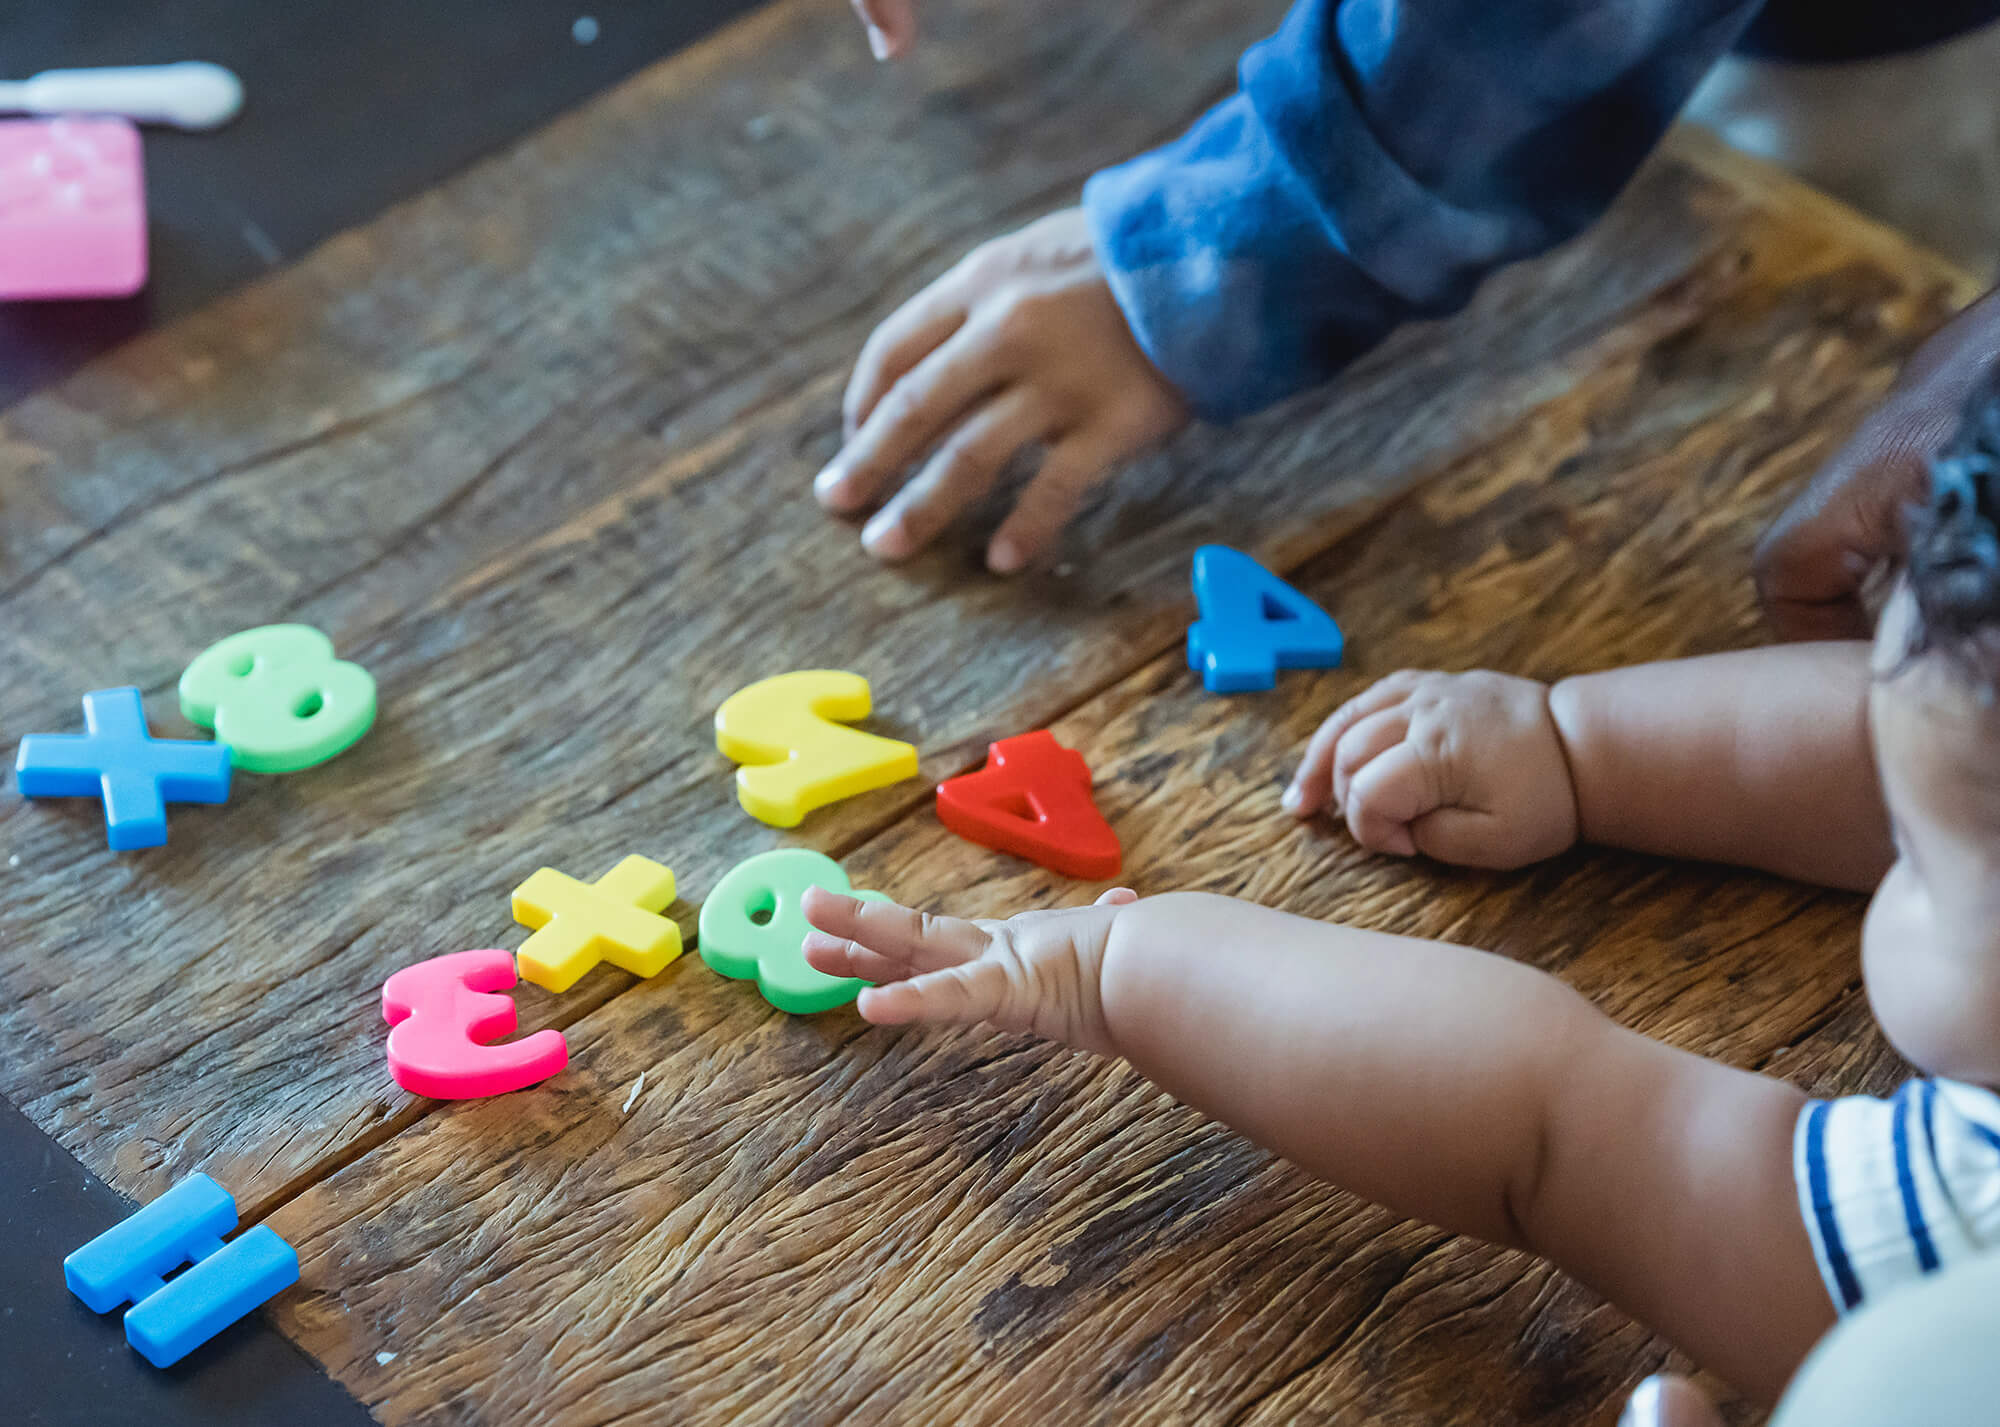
column 795, row 757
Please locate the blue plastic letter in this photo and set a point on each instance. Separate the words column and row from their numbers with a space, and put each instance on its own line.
column 250, row 1269
column 129, row 1262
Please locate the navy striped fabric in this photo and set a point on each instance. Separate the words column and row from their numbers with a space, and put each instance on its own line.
column 1895, row 1189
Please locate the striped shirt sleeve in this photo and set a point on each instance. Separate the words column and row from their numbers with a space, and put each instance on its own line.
column 1894, row 1189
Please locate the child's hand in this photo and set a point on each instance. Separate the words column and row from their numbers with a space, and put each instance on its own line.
column 1038, row 971
column 891, row 25
column 1465, row 768
column 1021, row 343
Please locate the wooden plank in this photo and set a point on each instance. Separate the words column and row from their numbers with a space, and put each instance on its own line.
column 534, row 448
column 809, row 1220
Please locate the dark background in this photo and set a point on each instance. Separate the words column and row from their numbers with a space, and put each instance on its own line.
column 349, row 107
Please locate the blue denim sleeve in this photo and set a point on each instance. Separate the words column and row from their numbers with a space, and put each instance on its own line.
column 1378, row 159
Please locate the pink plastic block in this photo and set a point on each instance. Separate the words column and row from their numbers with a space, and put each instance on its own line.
column 72, row 209
column 443, row 1013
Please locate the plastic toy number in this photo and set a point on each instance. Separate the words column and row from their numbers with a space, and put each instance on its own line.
column 1253, row 624
column 1033, row 799
column 443, row 1013
column 278, row 697
column 752, row 927
column 795, row 757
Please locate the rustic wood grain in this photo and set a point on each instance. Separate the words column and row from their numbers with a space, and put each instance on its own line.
column 534, row 448
column 807, row 1220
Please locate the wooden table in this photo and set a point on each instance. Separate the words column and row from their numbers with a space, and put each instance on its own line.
column 534, row 448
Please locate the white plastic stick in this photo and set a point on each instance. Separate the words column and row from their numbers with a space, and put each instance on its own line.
column 192, row 95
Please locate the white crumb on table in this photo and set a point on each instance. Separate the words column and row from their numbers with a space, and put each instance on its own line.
column 637, row 1086
column 15, row 860
column 261, row 243
column 384, row 1359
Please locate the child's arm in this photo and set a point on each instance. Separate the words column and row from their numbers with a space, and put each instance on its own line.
column 1365, row 175
column 1759, row 758
column 1447, row 1084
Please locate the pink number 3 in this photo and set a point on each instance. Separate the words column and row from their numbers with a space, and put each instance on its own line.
column 442, row 1013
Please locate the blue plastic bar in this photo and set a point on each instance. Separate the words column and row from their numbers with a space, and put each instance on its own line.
column 247, row 1271
column 127, row 1261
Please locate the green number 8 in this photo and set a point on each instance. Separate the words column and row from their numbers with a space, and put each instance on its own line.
column 278, row 697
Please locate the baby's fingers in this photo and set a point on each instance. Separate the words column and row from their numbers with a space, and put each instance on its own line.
column 909, row 941
column 838, row 956
column 957, row 474
column 1386, row 796
column 1365, row 742
column 957, row 996
column 1312, row 785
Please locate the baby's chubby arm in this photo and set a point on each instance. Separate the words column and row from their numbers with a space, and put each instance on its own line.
column 1758, row 758
column 1445, row 1083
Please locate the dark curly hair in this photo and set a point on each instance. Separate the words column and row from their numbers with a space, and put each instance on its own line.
column 1954, row 564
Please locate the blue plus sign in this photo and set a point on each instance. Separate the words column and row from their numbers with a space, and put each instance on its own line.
column 135, row 773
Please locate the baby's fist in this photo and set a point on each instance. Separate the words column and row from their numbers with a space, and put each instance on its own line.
column 1466, row 768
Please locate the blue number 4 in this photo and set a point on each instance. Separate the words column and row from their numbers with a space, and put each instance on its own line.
column 1253, row 624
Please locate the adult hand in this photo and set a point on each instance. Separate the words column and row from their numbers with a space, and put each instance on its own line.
column 1812, row 565
column 1021, row 343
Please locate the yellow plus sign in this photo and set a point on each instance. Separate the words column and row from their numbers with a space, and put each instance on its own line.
column 614, row 919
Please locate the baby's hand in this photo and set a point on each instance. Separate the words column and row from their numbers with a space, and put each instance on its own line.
column 1466, row 768
column 1020, row 345
column 1038, row 971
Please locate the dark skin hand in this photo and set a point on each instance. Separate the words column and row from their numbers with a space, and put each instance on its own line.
column 1815, row 563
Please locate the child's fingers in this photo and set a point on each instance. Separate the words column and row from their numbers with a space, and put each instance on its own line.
column 915, row 412
column 1384, row 693
column 902, row 339
column 916, row 940
column 1462, row 836
column 837, row 956
column 1313, row 781
column 956, row 996
column 1045, row 506
column 1364, row 742
column 1386, row 796
column 960, row 471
